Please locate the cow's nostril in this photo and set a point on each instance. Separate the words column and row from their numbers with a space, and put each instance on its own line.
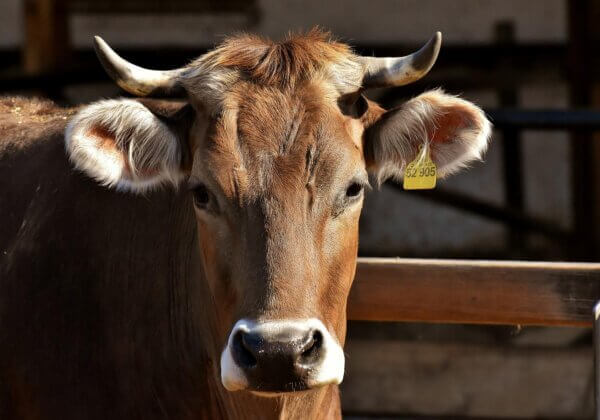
column 311, row 352
column 243, row 351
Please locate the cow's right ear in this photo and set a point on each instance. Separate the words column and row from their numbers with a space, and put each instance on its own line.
column 129, row 144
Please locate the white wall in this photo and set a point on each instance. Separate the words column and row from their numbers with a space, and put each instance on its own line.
column 373, row 21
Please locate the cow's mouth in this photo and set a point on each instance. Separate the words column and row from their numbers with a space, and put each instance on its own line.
column 271, row 389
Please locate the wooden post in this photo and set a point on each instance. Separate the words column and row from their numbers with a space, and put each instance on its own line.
column 508, row 96
column 584, row 35
column 46, row 47
column 596, row 314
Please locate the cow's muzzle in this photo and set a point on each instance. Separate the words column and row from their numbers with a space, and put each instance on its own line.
column 281, row 356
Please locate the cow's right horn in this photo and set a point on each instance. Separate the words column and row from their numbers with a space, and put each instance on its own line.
column 400, row 71
column 135, row 79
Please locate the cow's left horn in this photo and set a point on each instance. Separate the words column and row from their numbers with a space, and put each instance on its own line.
column 135, row 79
column 399, row 71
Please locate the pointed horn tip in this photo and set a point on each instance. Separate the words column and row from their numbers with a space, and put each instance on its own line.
column 435, row 42
column 135, row 79
column 437, row 39
column 98, row 41
column 425, row 58
column 101, row 48
column 104, row 54
column 399, row 71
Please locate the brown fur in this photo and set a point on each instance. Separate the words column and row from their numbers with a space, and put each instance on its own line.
column 278, row 189
column 21, row 117
column 132, row 331
column 119, row 306
column 76, row 279
column 280, row 64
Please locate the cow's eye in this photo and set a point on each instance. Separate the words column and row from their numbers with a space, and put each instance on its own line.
column 354, row 190
column 201, row 196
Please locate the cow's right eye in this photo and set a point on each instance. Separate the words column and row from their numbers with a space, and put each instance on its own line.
column 201, row 196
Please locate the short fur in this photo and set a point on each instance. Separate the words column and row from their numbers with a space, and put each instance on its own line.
column 282, row 65
column 119, row 306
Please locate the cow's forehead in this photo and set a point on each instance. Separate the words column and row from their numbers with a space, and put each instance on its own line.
column 312, row 57
column 275, row 119
column 270, row 141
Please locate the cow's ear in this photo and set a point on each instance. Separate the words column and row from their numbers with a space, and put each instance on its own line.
column 130, row 145
column 455, row 130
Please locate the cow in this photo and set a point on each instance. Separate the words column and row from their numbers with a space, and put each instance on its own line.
column 192, row 258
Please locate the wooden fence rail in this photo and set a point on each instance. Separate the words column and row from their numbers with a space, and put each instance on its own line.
column 475, row 292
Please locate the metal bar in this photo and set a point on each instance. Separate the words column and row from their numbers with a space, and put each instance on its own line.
column 546, row 119
column 583, row 182
column 512, row 158
column 597, row 359
column 512, row 167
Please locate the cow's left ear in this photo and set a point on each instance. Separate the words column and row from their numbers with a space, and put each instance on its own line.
column 128, row 144
column 455, row 130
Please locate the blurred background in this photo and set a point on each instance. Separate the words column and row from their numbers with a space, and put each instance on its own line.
column 533, row 66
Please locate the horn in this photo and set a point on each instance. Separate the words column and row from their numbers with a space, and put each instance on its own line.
column 135, row 79
column 399, row 71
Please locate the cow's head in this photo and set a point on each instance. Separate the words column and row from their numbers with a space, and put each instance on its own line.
column 275, row 144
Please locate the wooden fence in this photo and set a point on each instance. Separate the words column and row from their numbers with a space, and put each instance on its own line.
column 475, row 292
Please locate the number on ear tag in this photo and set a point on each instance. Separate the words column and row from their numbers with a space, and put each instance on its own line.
column 420, row 174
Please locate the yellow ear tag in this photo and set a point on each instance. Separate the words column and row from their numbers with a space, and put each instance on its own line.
column 420, row 174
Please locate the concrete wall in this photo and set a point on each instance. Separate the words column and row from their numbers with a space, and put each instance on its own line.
column 467, row 380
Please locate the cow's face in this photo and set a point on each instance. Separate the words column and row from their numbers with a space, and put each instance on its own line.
column 275, row 145
column 278, row 182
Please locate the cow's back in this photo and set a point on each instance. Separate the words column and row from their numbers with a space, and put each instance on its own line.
column 97, row 288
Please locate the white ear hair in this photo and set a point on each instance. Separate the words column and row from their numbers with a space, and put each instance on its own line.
column 456, row 132
column 122, row 144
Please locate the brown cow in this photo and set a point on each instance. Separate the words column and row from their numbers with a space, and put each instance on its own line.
column 224, row 297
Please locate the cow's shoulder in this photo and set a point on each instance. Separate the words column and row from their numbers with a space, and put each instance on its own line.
column 25, row 123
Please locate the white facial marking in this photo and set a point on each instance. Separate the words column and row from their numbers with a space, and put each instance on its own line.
column 232, row 377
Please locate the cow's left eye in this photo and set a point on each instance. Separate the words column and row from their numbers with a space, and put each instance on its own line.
column 354, row 190
column 351, row 195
